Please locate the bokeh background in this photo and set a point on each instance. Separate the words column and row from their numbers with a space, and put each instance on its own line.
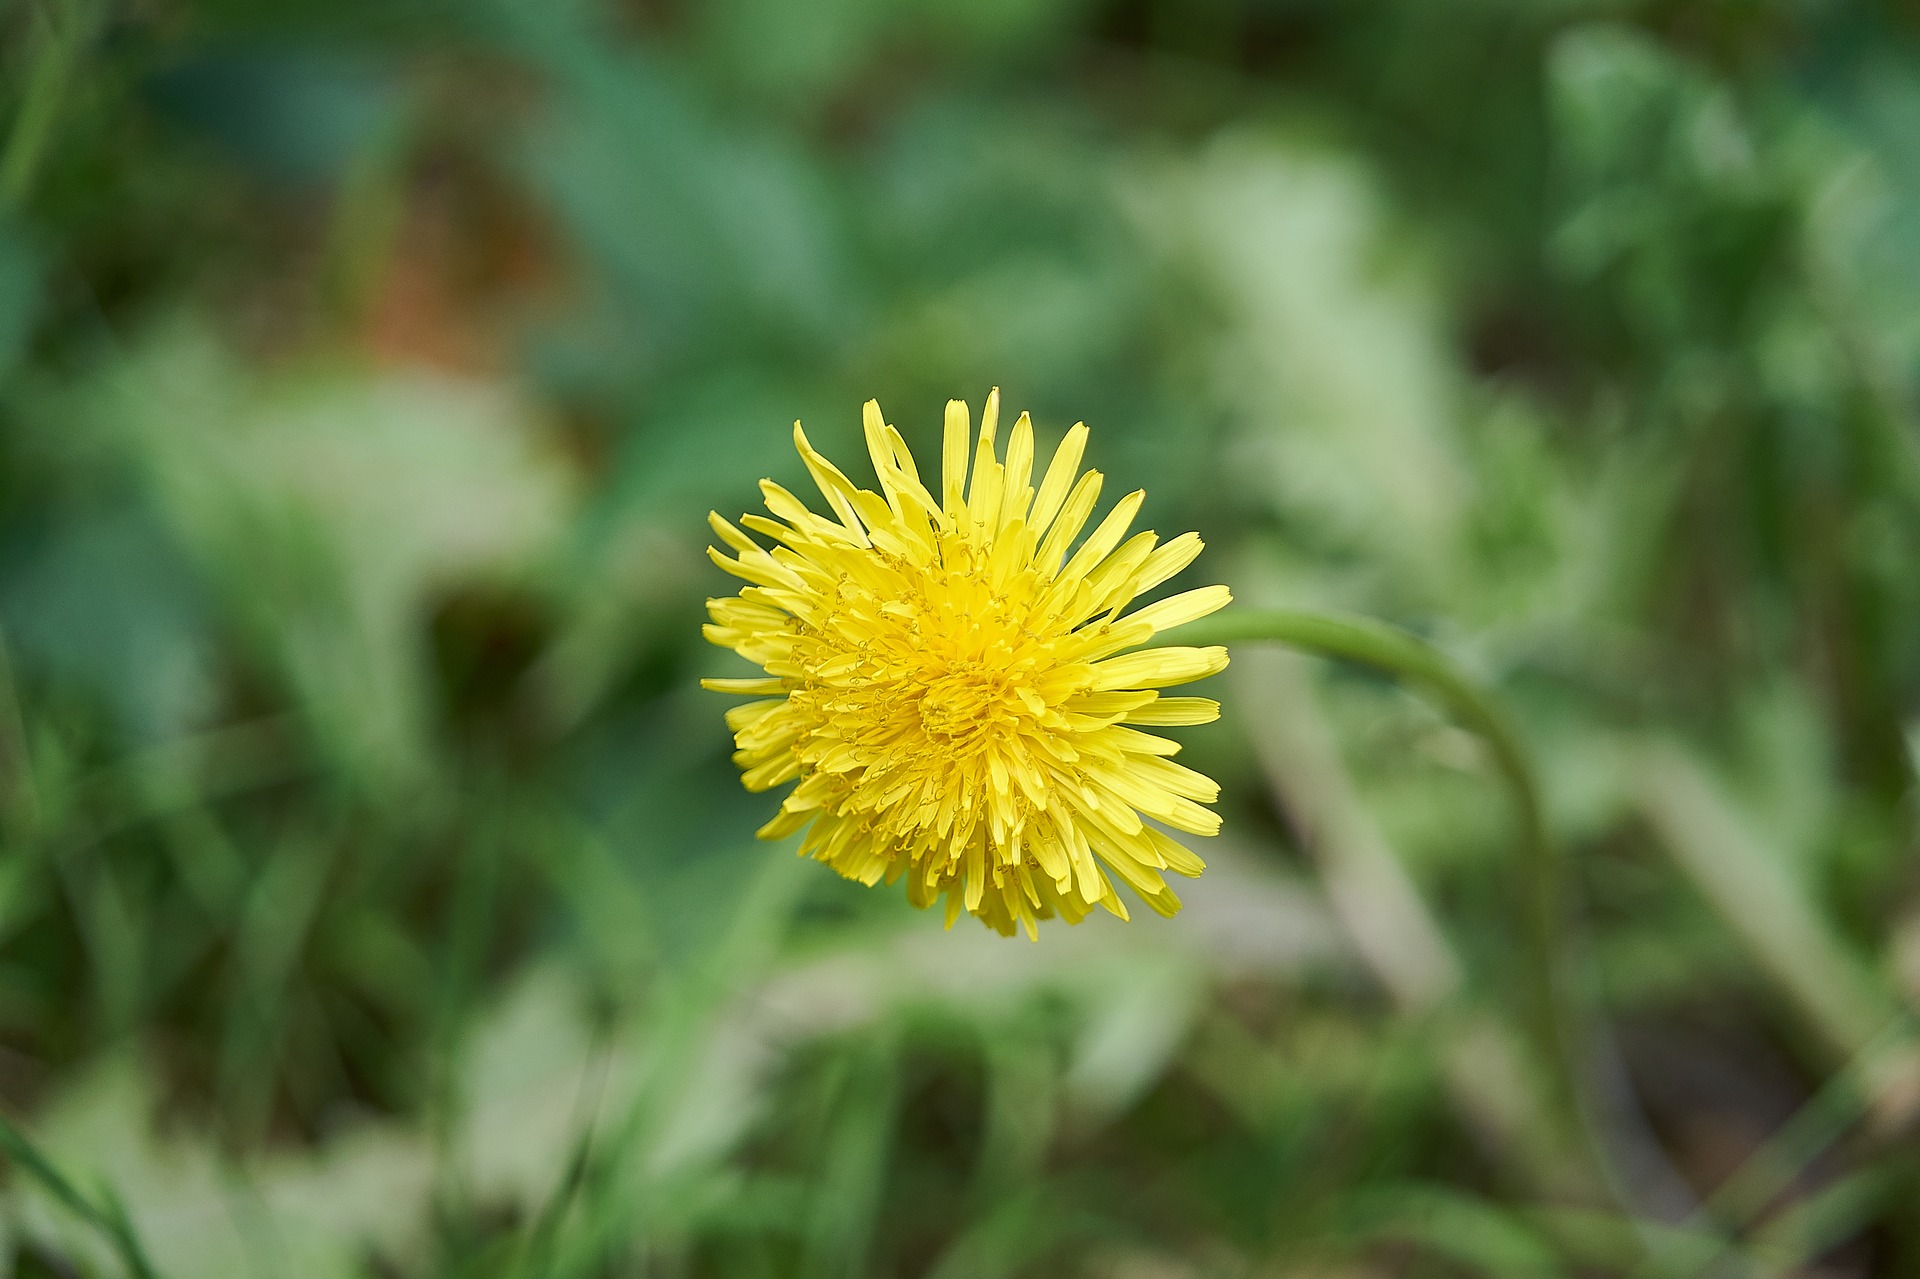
column 376, row 896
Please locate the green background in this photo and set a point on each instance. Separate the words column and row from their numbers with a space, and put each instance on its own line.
column 376, row 896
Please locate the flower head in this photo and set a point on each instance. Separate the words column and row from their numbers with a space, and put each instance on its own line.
column 954, row 687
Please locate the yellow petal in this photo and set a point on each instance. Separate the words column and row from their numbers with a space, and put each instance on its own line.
column 1159, row 667
column 1174, row 712
column 953, row 470
column 1059, row 478
column 1188, row 606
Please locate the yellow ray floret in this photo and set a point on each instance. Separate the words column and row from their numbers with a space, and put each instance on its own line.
column 956, row 687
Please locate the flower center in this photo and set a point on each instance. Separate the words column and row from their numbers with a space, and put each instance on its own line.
column 964, row 703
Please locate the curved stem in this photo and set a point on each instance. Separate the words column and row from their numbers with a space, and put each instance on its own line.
column 1419, row 664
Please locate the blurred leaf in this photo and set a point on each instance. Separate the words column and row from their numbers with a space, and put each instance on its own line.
column 20, row 284
column 1344, row 397
column 295, row 113
column 332, row 509
column 107, row 603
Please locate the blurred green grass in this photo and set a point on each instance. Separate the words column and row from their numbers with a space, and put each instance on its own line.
column 376, row 898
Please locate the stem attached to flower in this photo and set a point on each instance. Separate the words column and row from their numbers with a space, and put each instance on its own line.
column 1419, row 664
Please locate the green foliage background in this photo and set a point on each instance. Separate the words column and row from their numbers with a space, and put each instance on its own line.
column 376, row 896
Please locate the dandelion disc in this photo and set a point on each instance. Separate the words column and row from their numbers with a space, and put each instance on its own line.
column 954, row 687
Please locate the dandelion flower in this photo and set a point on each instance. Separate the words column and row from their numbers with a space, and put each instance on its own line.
column 954, row 687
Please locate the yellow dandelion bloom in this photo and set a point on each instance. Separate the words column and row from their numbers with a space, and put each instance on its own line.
column 955, row 693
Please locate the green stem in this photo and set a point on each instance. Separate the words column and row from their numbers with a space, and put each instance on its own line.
column 1419, row 664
